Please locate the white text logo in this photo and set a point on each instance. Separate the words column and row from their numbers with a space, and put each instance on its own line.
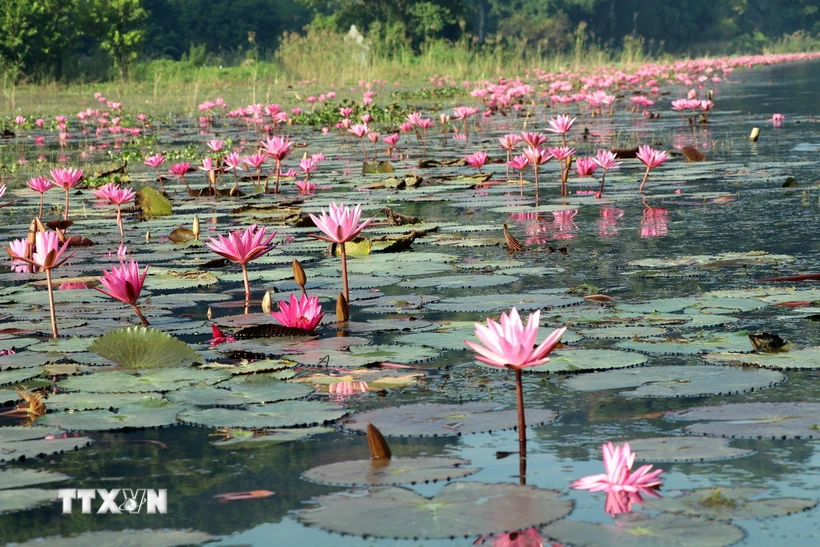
column 116, row 501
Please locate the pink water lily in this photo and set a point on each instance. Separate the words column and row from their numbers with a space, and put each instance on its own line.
column 477, row 159
column 606, row 160
column 277, row 148
column 66, row 178
column 116, row 195
column 651, row 158
column 180, row 169
column 243, row 246
column 340, row 225
column 509, row 344
column 618, row 475
column 305, row 313
column 155, row 161
column 124, row 283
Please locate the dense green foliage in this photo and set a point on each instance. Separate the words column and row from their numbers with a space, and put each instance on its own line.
column 95, row 39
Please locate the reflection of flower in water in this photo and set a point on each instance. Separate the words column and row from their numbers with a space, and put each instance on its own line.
column 564, row 224
column 699, row 137
column 523, row 538
column 654, row 222
column 621, row 502
column 608, row 223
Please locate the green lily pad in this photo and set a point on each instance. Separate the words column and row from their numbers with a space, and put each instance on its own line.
column 79, row 400
column 588, row 360
column 62, row 345
column 753, row 420
column 806, row 358
column 499, row 301
column 284, row 414
column 721, row 260
column 247, row 439
column 22, row 443
column 614, row 333
column 676, row 381
column 235, row 394
column 17, row 375
column 149, row 412
column 25, row 498
column 461, row 509
column 691, row 344
column 685, row 448
column 143, row 381
column 730, row 503
column 17, row 478
column 458, row 281
column 389, row 472
column 663, row 530
column 125, row 538
column 426, row 419
column 140, row 347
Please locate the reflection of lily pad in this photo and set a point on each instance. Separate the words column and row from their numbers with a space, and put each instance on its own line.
column 425, row 419
column 754, row 420
column 125, row 538
column 140, row 347
column 461, row 509
column 677, row 381
column 730, row 504
column 284, row 414
column 663, row 530
column 389, row 472
column 685, row 449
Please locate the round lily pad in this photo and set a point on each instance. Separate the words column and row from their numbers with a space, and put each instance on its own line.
column 754, row 420
column 685, row 449
column 389, row 472
column 141, row 347
column 149, row 412
column 17, row 375
column 613, row 333
column 425, row 419
column 461, row 509
column 806, row 358
column 270, row 436
column 62, row 345
column 79, row 400
column 25, row 498
column 587, row 360
column 125, row 538
column 453, row 334
column 16, row 478
column 499, row 301
column 21, row 443
column 730, row 504
column 663, row 530
column 458, row 281
column 143, row 381
column 284, row 414
column 691, row 344
column 677, row 381
column 240, row 394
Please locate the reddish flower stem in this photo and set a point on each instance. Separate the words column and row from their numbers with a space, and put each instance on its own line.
column 51, row 303
column 119, row 222
column 40, row 214
column 519, row 398
column 603, row 178
column 245, row 279
column 145, row 322
column 65, row 216
column 344, row 273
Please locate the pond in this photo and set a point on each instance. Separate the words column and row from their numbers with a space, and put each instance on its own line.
column 677, row 270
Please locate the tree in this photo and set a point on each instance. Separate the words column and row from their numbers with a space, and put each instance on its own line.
column 33, row 34
column 117, row 24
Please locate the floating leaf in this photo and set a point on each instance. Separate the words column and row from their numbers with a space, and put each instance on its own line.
column 141, row 347
column 235, row 394
column 806, row 358
column 143, row 381
column 458, row 281
column 285, row 414
column 125, row 538
column 79, row 400
column 17, row 375
column 152, row 203
column 499, row 301
column 754, row 420
column 425, row 419
column 663, row 530
column 588, row 360
column 149, row 412
column 728, row 503
column 16, row 478
column 461, row 509
column 270, row 436
column 690, row 344
column 25, row 498
column 613, row 333
column 685, row 449
column 21, row 443
column 677, row 381
column 389, row 472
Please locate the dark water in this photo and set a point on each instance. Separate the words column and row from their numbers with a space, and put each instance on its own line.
column 763, row 217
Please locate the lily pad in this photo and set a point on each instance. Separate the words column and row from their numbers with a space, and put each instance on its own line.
column 78, row 400
column 389, row 472
column 663, row 530
column 588, row 360
column 16, row 478
column 730, row 503
column 285, row 414
column 149, row 412
column 461, row 509
column 25, row 498
column 125, row 538
column 21, row 443
column 143, row 381
column 17, row 375
column 806, row 358
column 677, row 381
column 458, row 281
column 453, row 334
column 499, row 301
column 248, row 439
column 691, row 344
column 754, row 420
column 685, row 449
column 613, row 333
column 240, row 394
column 426, row 419
column 140, row 347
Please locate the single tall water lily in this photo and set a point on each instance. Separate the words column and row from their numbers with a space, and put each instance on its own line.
column 651, row 158
column 47, row 254
column 277, row 148
column 618, row 475
column 124, row 283
column 510, row 344
column 40, row 185
column 606, row 160
column 242, row 246
column 66, row 178
column 305, row 313
column 115, row 195
column 340, row 225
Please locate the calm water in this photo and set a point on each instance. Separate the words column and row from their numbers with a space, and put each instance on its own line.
column 763, row 217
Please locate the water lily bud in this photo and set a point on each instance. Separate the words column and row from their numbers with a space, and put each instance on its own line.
column 342, row 308
column 32, row 233
column 195, row 227
column 148, row 236
column 210, row 314
column 39, row 225
column 755, row 134
column 299, row 274
column 267, row 301
column 379, row 449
